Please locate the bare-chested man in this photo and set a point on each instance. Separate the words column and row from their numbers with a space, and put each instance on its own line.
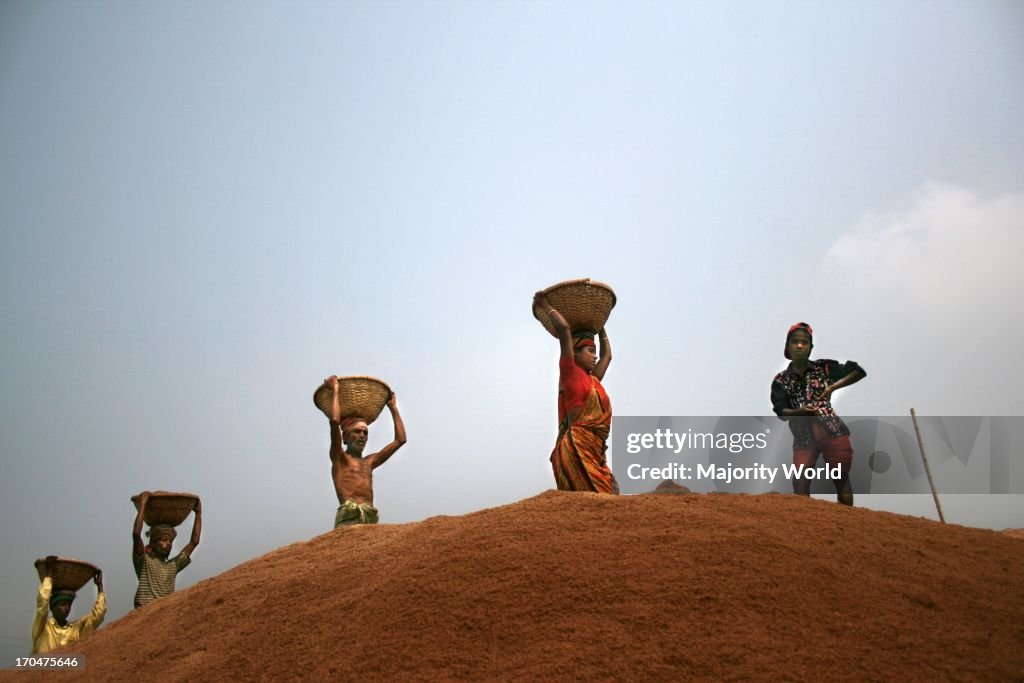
column 351, row 470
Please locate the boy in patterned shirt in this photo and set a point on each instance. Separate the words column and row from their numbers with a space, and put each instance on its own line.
column 156, row 572
column 804, row 390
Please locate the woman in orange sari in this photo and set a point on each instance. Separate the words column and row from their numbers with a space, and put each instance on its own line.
column 579, row 459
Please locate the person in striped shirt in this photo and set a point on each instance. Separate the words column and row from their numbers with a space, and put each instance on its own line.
column 155, row 568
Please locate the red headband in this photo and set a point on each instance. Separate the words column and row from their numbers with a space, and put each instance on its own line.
column 586, row 341
column 350, row 422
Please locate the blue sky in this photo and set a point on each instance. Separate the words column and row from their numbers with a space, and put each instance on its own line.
column 206, row 208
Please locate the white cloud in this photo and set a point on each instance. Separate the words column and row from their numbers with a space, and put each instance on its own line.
column 951, row 253
column 930, row 299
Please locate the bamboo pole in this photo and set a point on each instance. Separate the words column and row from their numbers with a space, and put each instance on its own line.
column 928, row 471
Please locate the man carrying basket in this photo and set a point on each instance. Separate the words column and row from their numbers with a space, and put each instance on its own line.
column 351, row 471
column 157, row 573
column 54, row 632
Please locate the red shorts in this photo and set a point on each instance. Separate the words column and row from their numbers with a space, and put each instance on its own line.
column 835, row 450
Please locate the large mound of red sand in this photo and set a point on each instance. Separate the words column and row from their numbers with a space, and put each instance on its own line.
column 598, row 587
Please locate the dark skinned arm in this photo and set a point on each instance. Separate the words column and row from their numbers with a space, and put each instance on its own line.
column 197, row 530
column 99, row 608
column 399, row 440
column 803, row 411
column 847, row 380
column 138, row 545
column 334, row 417
column 562, row 330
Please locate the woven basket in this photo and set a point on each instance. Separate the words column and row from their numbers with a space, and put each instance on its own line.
column 585, row 304
column 359, row 396
column 164, row 507
column 68, row 574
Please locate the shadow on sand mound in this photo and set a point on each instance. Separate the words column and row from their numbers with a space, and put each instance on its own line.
column 569, row 585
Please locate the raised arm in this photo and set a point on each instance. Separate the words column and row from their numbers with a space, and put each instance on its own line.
column 43, row 598
column 334, row 417
column 558, row 320
column 99, row 608
column 197, row 530
column 399, row 440
column 604, row 353
column 138, row 545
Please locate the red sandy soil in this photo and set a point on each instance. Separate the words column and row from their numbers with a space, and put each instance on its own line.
column 595, row 587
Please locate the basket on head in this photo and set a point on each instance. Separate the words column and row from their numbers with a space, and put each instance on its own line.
column 359, row 396
column 164, row 507
column 585, row 304
column 68, row 574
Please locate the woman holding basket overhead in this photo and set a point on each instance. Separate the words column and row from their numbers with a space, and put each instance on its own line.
column 584, row 412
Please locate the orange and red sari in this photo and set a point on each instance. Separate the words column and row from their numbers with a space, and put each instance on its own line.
column 579, row 459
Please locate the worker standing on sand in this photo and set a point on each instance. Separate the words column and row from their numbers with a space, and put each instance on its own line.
column 351, row 471
column 801, row 394
column 579, row 460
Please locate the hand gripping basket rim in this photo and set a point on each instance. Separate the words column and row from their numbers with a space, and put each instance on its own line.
column 68, row 574
column 585, row 303
column 167, row 507
column 360, row 396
